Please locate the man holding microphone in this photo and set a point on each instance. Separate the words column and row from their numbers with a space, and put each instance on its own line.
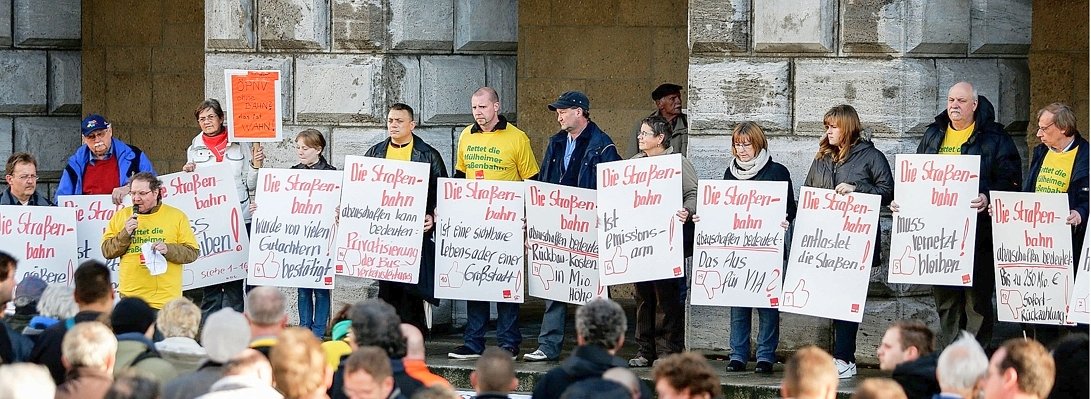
column 153, row 241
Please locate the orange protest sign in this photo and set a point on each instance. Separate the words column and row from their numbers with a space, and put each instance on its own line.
column 253, row 105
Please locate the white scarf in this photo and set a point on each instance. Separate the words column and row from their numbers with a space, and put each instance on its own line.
column 749, row 169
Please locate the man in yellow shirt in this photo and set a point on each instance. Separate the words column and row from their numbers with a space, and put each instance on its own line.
column 404, row 145
column 968, row 127
column 491, row 149
column 164, row 228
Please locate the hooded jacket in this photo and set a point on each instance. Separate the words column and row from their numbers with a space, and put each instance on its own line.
column 587, row 361
column 1001, row 167
column 130, row 161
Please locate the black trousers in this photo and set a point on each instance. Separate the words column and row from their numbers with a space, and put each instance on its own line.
column 660, row 317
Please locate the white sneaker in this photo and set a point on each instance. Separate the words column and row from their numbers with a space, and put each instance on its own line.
column 536, row 356
column 844, row 369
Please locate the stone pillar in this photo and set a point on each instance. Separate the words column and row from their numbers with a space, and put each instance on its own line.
column 893, row 61
column 343, row 62
column 1058, row 61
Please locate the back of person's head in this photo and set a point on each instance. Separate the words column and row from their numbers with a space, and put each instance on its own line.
column 29, row 291
column 494, row 372
column 1033, row 366
column 132, row 315
column 879, row 388
column 596, row 388
column 226, row 333
column 91, row 282
column 265, row 307
column 414, row 341
column 601, row 322
column 373, row 362
column 26, row 381
column 626, row 378
column 179, row 318
column 916, row 334
column 57, row 301
column 810, row 373
column 299, row 364
column 962, row 365
column 130, row 384
column 1070, row 356
column 687, row 373
column 376, row 323
column 90, row 344
column 340, row 316
column 250, row 362
column 436, row 391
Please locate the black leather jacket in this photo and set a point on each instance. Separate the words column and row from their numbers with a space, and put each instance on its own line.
column 422, row 152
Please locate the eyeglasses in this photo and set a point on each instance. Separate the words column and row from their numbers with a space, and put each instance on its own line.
column 26, row 177
column 1041, row 128
column 645, row 133
column 743, row 145
column 141, row 193
column 207, row 118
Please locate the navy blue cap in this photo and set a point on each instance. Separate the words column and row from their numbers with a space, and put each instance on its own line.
column 92, row 123
column 570, row 99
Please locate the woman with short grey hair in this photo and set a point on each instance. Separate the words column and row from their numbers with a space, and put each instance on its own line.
column 179, row 321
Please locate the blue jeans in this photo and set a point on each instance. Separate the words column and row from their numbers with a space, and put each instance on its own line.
column 549, row 340
column 844, row 340
column 768, row 334
column 507, row 325
column 314, row 310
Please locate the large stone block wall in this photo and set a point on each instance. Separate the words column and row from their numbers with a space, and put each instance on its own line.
column 783, row 63
column 40, row 93
column 1058, row 61
column 143, row 69
column 343, row 62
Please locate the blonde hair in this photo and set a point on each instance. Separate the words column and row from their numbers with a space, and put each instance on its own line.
column 845, row 118
column 179, row 318
column 299, row 364
column 809, row 372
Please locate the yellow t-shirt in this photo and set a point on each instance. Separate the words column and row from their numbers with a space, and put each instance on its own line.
column 399, row 154
column 169, row 225
column 502, row 154
column 1056, row 171
column 953, row 140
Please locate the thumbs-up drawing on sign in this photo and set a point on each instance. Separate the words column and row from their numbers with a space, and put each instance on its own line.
column 1014, row 300
column 268, row 268
column 710, row 279
column 454, row 278
column 798, row 297
column 544, row 271
column 618, row 264
column 904, row 264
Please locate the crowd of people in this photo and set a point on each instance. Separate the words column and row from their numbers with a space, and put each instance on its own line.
column 154, row 329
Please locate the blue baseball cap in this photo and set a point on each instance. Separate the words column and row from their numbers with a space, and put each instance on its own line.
column 93, row 123
column 570, row 99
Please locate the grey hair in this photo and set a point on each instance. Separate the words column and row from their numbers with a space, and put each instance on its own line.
column 962, row 364
column 89, row 344
column 601, row 322
column 26, row 380
column 57, row 302
column 265, row 306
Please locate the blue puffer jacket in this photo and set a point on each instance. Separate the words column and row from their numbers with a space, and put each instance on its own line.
column 130, row 161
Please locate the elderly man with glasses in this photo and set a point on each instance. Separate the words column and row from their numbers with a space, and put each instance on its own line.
column 21, row 173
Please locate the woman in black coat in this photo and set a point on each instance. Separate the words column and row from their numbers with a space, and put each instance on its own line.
column 847, row 163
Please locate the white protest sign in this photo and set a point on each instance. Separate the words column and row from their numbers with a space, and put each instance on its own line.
column 1032, row 249
column 935, row 225
column 738, row 246
column 563, row 244
column 93, row 213
column 209, row 197
column 382, row 219
column 479, row 240
column 640, row 234
column 293, row 228
column 42, row 239
column 830, row 262
column 1079, row 311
